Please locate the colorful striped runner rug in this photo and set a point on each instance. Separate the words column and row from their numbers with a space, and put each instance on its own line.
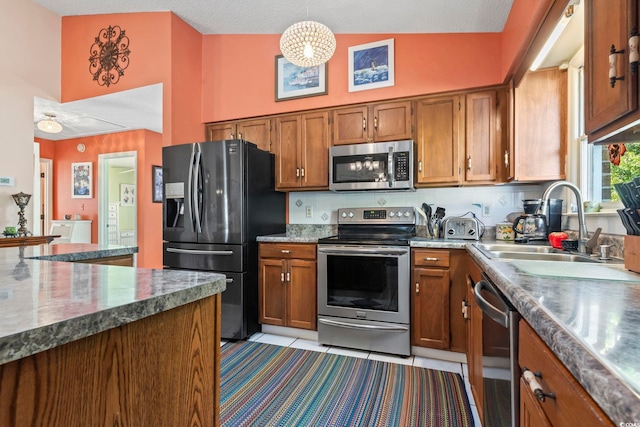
column 268, row 385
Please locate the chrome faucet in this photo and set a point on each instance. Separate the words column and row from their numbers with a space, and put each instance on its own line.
column 583, row 235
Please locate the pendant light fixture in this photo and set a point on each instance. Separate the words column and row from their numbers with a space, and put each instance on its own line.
column 50, row 125
column 307, row 43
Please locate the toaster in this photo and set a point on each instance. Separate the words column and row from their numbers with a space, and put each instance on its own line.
column 461, row 228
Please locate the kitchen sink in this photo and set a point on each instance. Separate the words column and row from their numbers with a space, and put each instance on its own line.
column 532, row 253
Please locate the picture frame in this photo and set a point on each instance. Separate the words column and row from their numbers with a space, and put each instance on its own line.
column 156, row 173
column 82, row 180
column 127, row 194
column 372, row 65
column 293, row 82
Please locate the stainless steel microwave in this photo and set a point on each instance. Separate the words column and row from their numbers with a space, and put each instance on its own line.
column 372, row 166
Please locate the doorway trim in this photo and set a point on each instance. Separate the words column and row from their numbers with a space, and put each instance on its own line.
column 103, row 193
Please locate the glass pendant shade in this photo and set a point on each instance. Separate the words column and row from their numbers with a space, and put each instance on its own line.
column 307, row 44
column 49, row 125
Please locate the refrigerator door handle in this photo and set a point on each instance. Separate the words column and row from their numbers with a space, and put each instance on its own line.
column 198, row 252
column 190, row 185
column 196, row 190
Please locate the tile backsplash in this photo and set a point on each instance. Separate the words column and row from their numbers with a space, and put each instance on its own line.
column 490, row 204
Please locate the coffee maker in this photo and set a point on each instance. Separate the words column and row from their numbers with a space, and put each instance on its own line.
column 537, row 226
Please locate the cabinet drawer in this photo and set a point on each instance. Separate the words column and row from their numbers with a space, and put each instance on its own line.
column 430, row 258
column 572, row 402
column 288, row 250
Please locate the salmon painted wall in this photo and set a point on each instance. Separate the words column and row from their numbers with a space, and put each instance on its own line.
column 164, row 49
column 148, row 146
column 186, row 83
column 239, row 71
column 523, row 21
column 47, row 148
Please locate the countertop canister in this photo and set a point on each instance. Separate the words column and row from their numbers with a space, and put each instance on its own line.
column 504, row 231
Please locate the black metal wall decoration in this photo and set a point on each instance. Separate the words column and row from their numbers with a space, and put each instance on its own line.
column 109, row 56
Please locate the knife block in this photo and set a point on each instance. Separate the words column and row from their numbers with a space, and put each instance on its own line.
column 632, row 253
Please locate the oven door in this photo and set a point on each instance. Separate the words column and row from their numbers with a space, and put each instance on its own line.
column 364, row 282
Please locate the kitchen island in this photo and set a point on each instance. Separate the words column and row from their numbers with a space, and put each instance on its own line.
column 91, row 344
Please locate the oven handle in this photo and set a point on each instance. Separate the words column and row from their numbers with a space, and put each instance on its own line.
column 363, row 327
column 361, row 251
column 500, row 316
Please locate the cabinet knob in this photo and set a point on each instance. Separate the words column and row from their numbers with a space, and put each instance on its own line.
column 417, row 288
column 232, row 136
column 420, row 166
column 375, row 123
column 431, row 259
column 465, row 310
column 506, row 158
column 282, row 277
column 634, row 56
column 239, row 135
column 532, row 380
column 364, row 123
column 302, row 172
column 288, row 277
column 469, row 163
column 613, row 65
column 285, row 251
column 297, row 172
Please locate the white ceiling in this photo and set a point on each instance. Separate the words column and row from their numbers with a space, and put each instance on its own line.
column 142, row 108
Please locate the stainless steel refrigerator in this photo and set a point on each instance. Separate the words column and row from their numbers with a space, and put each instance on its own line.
column 218, row 197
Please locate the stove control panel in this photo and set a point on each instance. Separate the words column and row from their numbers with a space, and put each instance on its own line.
column 396, row 215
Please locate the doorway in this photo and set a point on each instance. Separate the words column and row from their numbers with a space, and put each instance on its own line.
column 117, row 198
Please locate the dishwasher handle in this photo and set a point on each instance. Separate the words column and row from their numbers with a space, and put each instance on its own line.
column 499, row 314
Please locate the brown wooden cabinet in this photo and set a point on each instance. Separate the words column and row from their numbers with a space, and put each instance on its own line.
column 607, row 25
column 287, row 285
column 258, row 131
column 436, row 296
column 539, row 127
column 439, row 124
column 372, row 123
column 571, row 401
column 474, row 336
column 482, row 136
column 122, row 260
column 302, row 151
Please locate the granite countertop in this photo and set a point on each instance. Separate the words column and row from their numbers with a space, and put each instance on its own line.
column 45, row 303
column 591, row 325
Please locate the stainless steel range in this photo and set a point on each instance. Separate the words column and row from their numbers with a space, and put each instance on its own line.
column 363, row 280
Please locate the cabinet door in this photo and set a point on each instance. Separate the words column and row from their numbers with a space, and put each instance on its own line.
column 221, row 131
column 540, row 126
column 474, row 343
column 608, row 23
column 315, row 150
column 302, row 300
column 288, row 136
column 256, row 131
column 430, row 326
column 350, row 125
column 437, row 140
column 481, row 137
column 272, row 292
column 392, row 121
column 531, row 415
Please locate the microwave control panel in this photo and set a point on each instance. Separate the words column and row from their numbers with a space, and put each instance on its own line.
column 401, row 166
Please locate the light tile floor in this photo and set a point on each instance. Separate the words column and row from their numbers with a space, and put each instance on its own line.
column 422, row 362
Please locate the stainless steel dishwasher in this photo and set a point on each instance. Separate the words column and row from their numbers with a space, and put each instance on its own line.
column 500, row 371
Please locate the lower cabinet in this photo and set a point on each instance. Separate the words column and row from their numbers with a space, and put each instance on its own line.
column 287, row 285
column 437, row 293
column 122, row 260
column 569, row 401
column 473, row 315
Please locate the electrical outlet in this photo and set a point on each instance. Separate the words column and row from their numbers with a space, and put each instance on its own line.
column 486, row 210
column 308, row 211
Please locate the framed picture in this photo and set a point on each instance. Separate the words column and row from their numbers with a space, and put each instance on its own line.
column 299, row 82
column 371, row 65
column 157, row 183
column 127, row 194
column 81, row 180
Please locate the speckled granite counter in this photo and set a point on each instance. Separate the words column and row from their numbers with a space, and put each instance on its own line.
column 45, row 303
column 591, row 326
column 301, row 233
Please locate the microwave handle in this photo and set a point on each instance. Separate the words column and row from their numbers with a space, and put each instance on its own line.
column 390, row 164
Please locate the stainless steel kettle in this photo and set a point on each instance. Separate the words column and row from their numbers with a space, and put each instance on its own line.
column 531, row 227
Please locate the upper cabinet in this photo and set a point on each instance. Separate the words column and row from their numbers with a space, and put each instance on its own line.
column 372, row 123
column 459, row 138
column 539, row 142
column 438, row 132
column 258, row 131
column 302, row 151
column 611, row 93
